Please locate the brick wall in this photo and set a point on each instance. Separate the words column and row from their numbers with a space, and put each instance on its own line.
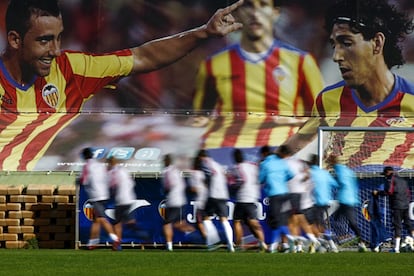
column 45, row 212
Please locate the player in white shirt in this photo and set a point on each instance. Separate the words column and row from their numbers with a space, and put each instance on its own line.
column 94, row 179
column 245, row 176
column 218, row 196
column 123, row 187
column 301, row 199
column 199, row 187
column 174, row 187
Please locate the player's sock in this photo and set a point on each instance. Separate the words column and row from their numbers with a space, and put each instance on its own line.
column 92, row 242
column 285, row 246
column 397, row 244
column 262, row 245
column 273, row 247
column 332, row 245
column 211, row 232
column 299, row 246
column 113, row 237
column 313, row 239
column 229, row 234
column 291, row 239
column 169, row 246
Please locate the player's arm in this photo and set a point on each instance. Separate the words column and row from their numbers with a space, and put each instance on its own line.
column 299, row 141
column 161, row 52
column 305, row 135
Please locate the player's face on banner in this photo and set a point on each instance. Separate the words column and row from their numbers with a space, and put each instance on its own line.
column 41, row 44
column 257, row 17
column 354, row 55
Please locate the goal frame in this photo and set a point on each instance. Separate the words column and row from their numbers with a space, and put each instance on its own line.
column 321, row 150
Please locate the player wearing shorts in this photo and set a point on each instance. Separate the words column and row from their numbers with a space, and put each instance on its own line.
column 301, row 199
column 123, row 187
column 218, row 196
column 274, row 173
column 245, row 176
column 347, row 193
column 324, row 184
column 174, row 188
column 93, row 178
column 199, row 187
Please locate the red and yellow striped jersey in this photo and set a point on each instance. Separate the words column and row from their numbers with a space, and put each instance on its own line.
column 339, row 105
column 248, row 97
column 32, row 115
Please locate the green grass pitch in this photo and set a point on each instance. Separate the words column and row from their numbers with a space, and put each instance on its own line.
column 199, row 262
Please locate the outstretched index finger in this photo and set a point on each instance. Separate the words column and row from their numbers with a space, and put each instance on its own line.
column 232, row 7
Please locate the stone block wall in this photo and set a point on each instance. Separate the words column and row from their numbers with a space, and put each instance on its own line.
column 44, row 212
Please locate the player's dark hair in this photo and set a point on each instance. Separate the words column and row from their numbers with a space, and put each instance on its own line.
column 167, row 160
column 202, row 153
column 19, row 13
column 87, row 153
column 369, row 17
column 284, row 151
column 238, row 156
column 197, row 163
column 313, row 159
column 265, row 150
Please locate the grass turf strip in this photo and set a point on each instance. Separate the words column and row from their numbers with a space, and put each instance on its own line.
column 196, row 262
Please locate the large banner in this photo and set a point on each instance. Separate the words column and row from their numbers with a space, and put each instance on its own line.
column 149, row 210
column 218, row 97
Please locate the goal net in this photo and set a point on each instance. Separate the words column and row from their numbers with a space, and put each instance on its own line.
column 367, row 150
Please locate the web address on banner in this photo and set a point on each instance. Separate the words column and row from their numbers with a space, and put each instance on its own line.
column 141, row 165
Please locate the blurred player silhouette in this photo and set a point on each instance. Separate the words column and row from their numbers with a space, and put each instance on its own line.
column 324, row 184
column 175, row 190
column 399, row 194
column 348, row 197
column 94, row 179
column 218, row 196
column 122, row 187
column 274, row 174
column 245, row 176
column 199, row 187
column 301, row 189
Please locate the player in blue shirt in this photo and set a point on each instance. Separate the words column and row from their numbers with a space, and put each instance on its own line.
column 274, row 173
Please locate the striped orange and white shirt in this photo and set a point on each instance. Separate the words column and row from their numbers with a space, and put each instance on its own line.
column 32, row 115
column 247, row 96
